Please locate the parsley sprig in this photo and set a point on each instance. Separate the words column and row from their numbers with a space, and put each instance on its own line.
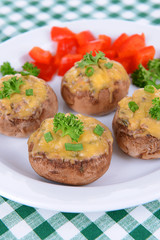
column 69, row 125
column 155, row 110
column 6, row 69
column 28, row 69
column 142, row 77
column 11, row 86
column 89, row 59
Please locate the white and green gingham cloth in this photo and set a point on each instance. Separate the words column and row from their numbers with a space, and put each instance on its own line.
column 18, row 221
column 19, row 16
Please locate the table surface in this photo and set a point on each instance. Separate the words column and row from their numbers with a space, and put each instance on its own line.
column 18, row 221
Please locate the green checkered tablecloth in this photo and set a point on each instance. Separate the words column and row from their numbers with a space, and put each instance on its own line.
column 22, row 222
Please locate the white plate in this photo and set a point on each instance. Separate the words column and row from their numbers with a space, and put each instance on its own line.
column 128, row 182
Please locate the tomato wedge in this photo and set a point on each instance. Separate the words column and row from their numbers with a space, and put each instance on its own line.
column 58, row 33
column 67, row 62
column 66, row 45
column 111, row 54
column 131, row 45
column 46, row 70
column 143, row 56
column 84, row 37
column 40, row 55
column 96, row 45
column 119, row 41
column 107, row 41
column 126, row 62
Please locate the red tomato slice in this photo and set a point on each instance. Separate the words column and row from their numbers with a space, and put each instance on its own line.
column 126, row 62
column 111, row 54
column 67, row 62
column 66, row 46
column 40, row 55
column 58, row 33
column 84, row 37
column 107, row 41
column 46, row 70
column 143, row 56
column 131, row 45
column 96, row 45
column 118, row 42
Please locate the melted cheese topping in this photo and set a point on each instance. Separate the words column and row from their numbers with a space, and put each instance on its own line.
column 102, row 77
column 93, row 145
column 19, row 105
column 140, row 119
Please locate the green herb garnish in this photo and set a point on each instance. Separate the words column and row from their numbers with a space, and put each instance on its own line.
column 48, row 136
column 98, row 130
column 29, row 92
column 142, row 77
column 108, row 65
column 28, row 69
column 73, row 147
column 89, row 59
column 89, row 71
column 10, row 86
column 69, row 125
column 6, row 69
column 149, row 88
column 133, row 106
column 155, row 110
column 154, row 66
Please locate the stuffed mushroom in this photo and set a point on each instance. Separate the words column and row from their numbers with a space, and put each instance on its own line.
column 69, row 149
column 25, row 101
column 95, row 85
column 136, row 124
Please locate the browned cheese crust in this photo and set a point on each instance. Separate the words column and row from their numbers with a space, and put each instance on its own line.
column 19, row 127
column 84, row 102
column 137, row 146
column 67, row 172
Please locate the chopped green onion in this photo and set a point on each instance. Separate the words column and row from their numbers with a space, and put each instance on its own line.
column 133, row 106
column 98, row 130
column 73, row 147
column 29, row 92
column 108, row 65
column 149, row 88
column 89, row 71
column 48, row 137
